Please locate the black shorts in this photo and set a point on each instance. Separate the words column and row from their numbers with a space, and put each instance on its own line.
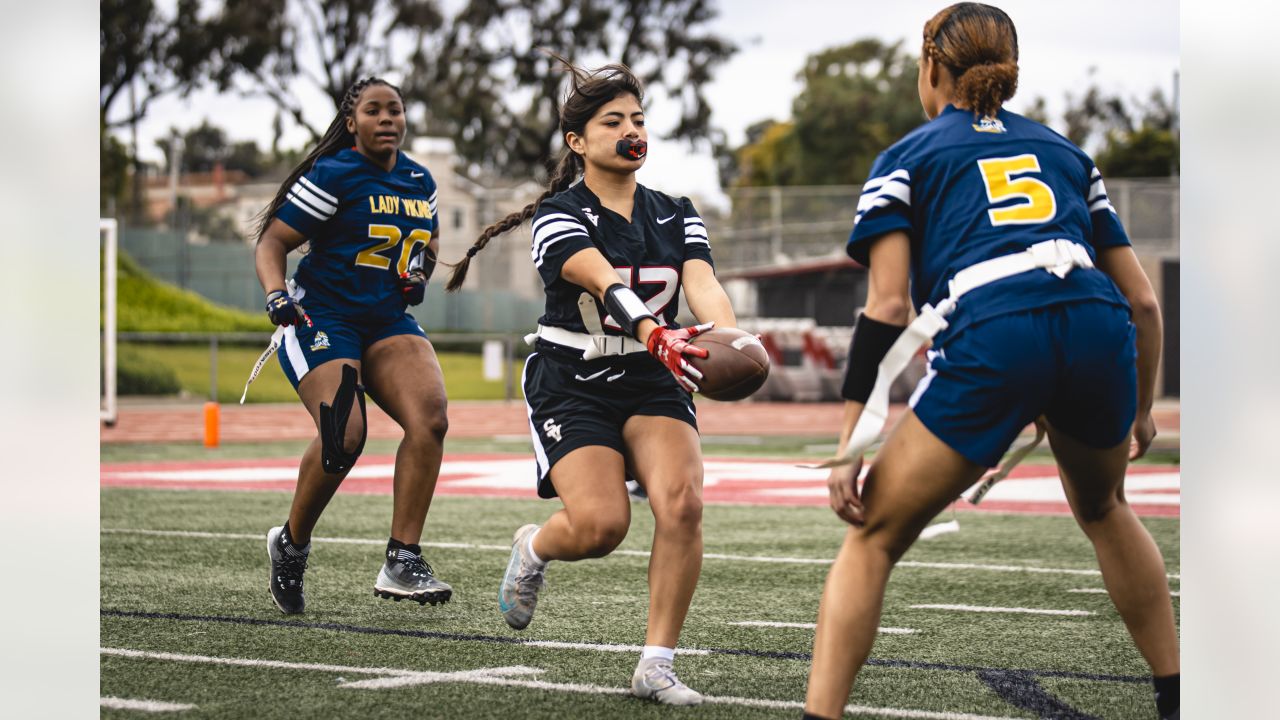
column 574, row 403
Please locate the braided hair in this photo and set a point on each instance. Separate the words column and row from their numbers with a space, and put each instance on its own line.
column 334, row 139
column 591, row 90
column 979, row 46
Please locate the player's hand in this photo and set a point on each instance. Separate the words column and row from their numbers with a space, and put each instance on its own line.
column 1144, row 431
column 842, row 489
column 413, row 286
column 284, row 310
column 670, row 346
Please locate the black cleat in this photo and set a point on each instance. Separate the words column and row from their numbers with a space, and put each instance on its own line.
column 288, row 563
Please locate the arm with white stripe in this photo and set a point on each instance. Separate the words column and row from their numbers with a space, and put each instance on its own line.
column 269, row 254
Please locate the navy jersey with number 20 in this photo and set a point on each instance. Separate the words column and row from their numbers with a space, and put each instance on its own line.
column 967, row 190
column 365, row 225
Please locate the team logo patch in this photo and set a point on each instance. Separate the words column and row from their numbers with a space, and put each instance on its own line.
column 595, row 219
column 990, row 124
column 321, row 342
column 551, row 429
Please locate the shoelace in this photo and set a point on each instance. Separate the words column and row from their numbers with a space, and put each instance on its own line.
column 662, row 672
column 528, row 583
column 418, row 566
column 292, row 567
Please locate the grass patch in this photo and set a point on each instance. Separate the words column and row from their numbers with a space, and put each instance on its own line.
column 598, row 601
column 146, row 304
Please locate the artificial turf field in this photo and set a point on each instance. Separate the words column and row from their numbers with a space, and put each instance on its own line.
column 188, row 627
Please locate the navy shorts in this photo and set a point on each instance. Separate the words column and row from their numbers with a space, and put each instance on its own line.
column 1075, row 363
column 334, row 336
column 574, row 403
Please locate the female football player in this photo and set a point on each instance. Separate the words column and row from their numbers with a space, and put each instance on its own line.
column 369, row 214
column 608, row 388
column 1003, row 228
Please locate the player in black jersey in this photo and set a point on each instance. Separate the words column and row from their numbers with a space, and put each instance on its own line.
column 608, row 388
column 368, row 212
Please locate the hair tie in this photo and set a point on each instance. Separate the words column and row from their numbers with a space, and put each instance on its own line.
column 471, row 251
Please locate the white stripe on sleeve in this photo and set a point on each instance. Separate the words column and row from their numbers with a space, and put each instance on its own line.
column 306, row 208
column 315, row 189
column 315, row 201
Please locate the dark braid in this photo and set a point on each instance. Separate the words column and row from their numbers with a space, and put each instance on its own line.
column 333, row 140
column 590, row 91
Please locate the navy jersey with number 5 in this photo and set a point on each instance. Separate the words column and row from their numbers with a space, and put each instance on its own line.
column 365, row 225
column 648, row 252
column 968, row 190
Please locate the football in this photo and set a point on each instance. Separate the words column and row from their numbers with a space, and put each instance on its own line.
column 736, row 364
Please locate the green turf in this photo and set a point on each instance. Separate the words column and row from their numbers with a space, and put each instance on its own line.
column 463, row 373
column 600, row 601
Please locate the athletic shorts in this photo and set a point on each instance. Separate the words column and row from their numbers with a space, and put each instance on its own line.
column 334, row 336
column 574, row 403
column 1075, row 363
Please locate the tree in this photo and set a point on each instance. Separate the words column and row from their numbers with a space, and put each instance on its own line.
column 1134, row 139
column 486, row 82
column 857, row 100
column 143, row 51
column 269, row 45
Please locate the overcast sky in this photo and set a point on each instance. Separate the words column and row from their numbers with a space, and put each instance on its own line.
column 1131, row 45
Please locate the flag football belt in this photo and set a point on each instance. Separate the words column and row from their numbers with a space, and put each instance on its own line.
column 1059, row 257
column 277, row 337
column 592, row 346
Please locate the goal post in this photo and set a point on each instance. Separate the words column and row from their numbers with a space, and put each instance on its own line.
column 108, row 231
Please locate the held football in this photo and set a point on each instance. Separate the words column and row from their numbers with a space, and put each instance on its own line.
column 736, row 364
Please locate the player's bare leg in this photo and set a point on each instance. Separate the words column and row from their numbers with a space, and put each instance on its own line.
column 315, row 486
column 596, row 512
column 667, row 458
column 403, row 375
column 1132, row 567
column 915, row 476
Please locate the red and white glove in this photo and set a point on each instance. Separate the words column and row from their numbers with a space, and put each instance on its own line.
column 670, row 346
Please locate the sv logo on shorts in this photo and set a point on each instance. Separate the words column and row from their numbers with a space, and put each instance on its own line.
column 321, row 342
column 551, row 429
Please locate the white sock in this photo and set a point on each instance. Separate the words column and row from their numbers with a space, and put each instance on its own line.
column 657, row 651
column 529, row 546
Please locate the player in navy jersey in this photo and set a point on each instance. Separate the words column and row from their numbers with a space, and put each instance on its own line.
column 1000, row 234
column 608, row 389
column 368, row 213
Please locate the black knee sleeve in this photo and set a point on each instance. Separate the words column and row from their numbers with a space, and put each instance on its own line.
column 333, row 424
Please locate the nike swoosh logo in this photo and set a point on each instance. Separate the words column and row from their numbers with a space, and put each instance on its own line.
column 663, row 220
column 593, row 376
column 413, row 174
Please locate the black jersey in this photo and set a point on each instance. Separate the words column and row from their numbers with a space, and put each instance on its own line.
column 649, row 252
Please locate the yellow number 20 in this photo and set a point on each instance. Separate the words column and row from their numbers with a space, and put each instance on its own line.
column 1038, row 203
column 390, row 235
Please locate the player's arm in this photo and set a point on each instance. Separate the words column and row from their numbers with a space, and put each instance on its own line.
column 889, row 306
column 269, row 261
column 589, row 270
column 1121, row 264
column 706, row 297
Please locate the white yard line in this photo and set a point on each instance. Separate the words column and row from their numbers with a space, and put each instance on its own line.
column 386, row 678
column 1103, row 591
column 1017, row 610
column 626, row 553
column 116, row 703
column 810, row 626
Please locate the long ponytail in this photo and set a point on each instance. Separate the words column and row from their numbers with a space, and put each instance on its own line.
column 591, row 90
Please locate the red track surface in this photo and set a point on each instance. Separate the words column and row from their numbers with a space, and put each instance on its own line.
column 248, row 423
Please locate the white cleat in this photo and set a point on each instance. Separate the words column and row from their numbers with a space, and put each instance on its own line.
column 655, row 680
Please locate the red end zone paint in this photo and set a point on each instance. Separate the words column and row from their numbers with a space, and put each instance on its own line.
column 1152, row 490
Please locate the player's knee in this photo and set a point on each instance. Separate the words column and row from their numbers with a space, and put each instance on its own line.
column 429, row 426
column 1093, row 512
column 680, row 510
column 601, row 536
column 355, row 432
column 888, row 537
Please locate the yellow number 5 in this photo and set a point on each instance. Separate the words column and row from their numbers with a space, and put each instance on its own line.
column 1039, row 204
column 390, row 235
